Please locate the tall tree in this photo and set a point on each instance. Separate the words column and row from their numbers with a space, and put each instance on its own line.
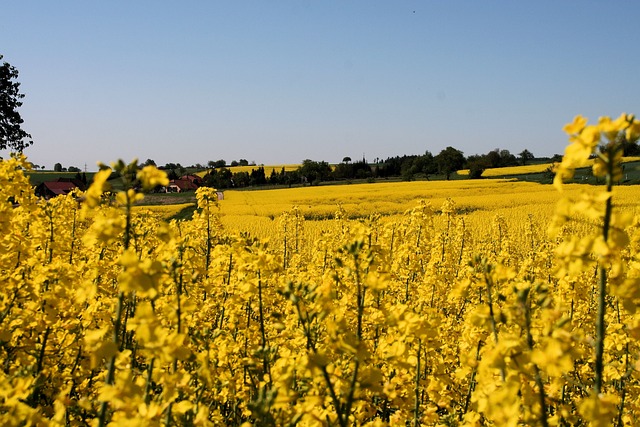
column 314, row 172
column 12, row 136
column 525, row 156
column 449, row 160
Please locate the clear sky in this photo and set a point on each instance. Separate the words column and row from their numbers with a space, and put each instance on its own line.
column 282, row 81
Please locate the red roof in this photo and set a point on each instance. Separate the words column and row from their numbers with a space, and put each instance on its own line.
column 59, row 188
column 183, row 184
column 193, row 178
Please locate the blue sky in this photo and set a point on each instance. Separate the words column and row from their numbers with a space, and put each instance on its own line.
column 283, row 81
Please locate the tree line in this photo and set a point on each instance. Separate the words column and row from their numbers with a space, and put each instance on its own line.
column 406, row 167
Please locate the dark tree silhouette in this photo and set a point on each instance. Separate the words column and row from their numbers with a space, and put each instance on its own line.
column 12, row 136
column 525, row 156
column 449, row 160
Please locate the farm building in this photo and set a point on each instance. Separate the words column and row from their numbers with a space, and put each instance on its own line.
column 192, row 178
column 180, row 186
column 49, row 189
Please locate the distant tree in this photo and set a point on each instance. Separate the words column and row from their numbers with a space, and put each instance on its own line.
column 507, row 159
column 449, row 160
column 346, row 159
column 234, row 163
column 550, row 173
column 630, row 148
column 492, row 159
column 217, row 163
column 476, row 164
column 173, row 170
column 12, row 136
column 362, row 170
column 292, row 177
column 225, row 178
column 241, row 179
column 499, row 158
column 257, row 176
column 417, row 165
column 428, row 164
column 149, row 162
column 392, row 166
column 73, row 169
column 243, row 162
column 57, row 167
column 407, row 172
column 274, row 178
column 525, row 156
column 219, row 178
column 314, row 172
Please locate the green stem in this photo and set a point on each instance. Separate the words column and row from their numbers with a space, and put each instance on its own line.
column 263, row 333
column 352, row 392
column 111, row 368
column 623, row 388
column 494, row 326
column 602, row 286
column 538, row 378
column 51, row 234
column 209, row 245
column 416, row 407
column 104, row 406
column 462, row 243
column 147, row 386
column 334, row 397
column 472, row 382
column 73, row 237
column 127, row 229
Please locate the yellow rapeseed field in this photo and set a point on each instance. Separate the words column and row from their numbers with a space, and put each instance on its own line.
column 467, row 303
column 480, row 201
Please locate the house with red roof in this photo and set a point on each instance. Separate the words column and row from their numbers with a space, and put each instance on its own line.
column 192, row 178
column 49, row 189
column 180, row 186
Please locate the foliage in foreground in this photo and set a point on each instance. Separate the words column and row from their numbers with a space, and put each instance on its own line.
column 109, row 315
